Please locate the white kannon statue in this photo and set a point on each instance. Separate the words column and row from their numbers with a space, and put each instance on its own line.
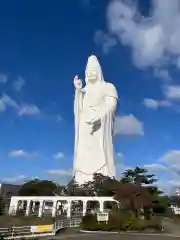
column 94, row 110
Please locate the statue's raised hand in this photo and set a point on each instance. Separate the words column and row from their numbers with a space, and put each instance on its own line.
column 77, row 83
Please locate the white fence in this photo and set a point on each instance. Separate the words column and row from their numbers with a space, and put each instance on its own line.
column 23, row 231
column 66, row 223
column 39, row 230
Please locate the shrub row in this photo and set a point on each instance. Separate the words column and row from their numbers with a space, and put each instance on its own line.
column 121, row 222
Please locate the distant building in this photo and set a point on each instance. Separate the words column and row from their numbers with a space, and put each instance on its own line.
column 9, row 190
column 178, row 192
column 175, row 209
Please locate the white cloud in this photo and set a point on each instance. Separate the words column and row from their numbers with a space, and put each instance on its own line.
column 163, row 74
column 107, row 42
column 29, row 109
column 156, row 167
column 172, row 92
column 18, row 153
column 154, row 39
column 164, row 174
column 171, row 157
column 2, row 106
column 6, row 101
column 174, row 183
column 15, row 179
column 128, row 125
column 120, row 166
column 119, row 155
column 59, row 155
column 120, row 169
column 3, row 78
column 167, row 168
column 155, row 104
column 23, row 109
column 19, row 84
column 60, row 172
column 168, row 186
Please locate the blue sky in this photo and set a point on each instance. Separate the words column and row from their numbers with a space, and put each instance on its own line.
column 44, row 45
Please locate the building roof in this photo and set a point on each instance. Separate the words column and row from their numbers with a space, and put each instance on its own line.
column 9, row 189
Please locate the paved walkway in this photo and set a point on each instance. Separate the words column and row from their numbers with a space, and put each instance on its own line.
column 172, row 231
column 171, row 227
column 113, row 236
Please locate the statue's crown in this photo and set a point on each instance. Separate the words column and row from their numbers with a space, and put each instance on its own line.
column 93, row 62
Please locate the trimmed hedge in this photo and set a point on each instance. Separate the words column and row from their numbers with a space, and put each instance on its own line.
column 121, row 222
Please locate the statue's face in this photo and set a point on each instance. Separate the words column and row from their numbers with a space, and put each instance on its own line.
column 92, row 75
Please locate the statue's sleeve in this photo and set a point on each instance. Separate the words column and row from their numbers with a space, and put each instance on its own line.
column 77, row 101
column 111, row 97
column 110, row 91
column 110, row 103
column 77, row 111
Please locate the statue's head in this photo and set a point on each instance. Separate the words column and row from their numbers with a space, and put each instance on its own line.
column 93, row 70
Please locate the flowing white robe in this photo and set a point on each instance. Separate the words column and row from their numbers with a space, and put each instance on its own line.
column 93, row 152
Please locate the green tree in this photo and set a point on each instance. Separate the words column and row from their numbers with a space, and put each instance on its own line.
column 38, row 187
column 73, row 189
column 133, row 197
column 138, row 176
column 154, row 190
column 100, row 186
column 161, row 204
column 136, row 188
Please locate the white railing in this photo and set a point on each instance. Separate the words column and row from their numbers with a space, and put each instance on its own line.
column 66, row 223
column 22, row 232
column 27, row 231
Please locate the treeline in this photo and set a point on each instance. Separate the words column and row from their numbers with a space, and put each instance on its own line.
column 136, row 188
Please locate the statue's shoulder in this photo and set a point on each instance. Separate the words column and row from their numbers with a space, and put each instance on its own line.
column 110, row 90
column 109, row 86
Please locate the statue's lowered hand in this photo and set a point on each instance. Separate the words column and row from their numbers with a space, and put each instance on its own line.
column 94, row 121
column 77, row 83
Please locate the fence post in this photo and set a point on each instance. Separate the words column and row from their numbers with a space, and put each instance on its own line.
column 54, row 227
column 12, row 231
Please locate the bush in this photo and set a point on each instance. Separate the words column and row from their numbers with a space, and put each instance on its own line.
column 116, row 222
column 2, row 206
column 90, row 223
column 89, row 218
column 121, row 221
column 131, row 224
column 135, row 224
